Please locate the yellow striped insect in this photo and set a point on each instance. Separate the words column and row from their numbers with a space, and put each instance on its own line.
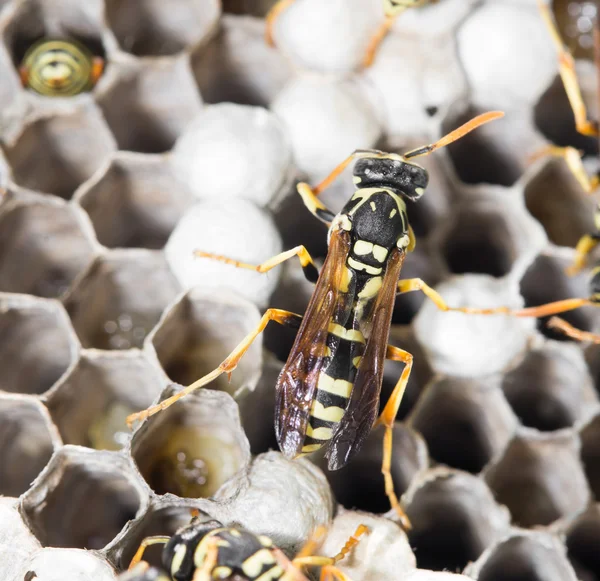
column 60, row 68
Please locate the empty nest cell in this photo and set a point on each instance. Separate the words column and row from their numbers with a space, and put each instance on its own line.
column 154, row 28
column 65, row 150
column 465, row 423
column 200, row 331
column 26, row 443
column 454, row 518
column 90, row 405
column 37, row 344
column 550, row 388
column 193, row 447
column 107, row 307
column 590, row 454
column 47, row 237
column 540, row 478
column 84, row 500
column 582, row 539
column 136, row 202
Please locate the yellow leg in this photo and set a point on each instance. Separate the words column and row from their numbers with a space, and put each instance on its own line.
column 387, row 419
column 228, row 365
column 204, row 573
column 568, row 75
column 377, row 39
column 308, row 266
column 573, row 332
column 585, row 245
column 572, row 158
column 148, row 541
column 275, row 11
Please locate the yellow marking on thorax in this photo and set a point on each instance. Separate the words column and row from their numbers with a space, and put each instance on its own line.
column 319, row 433
column 330, row 414
column 348, row 334
column 373, row 206
column 254, row 564
column 222, row 572
column 272, row 573
column 345, row 279
column 375, row 270
column 356, row 361
column 379, row 252
column 309, row 448
column 362, row 247
column 178, row 556
column 363, row 194
column 265, row 541
column 336, row 386
column 371, row 288
column 393, row 213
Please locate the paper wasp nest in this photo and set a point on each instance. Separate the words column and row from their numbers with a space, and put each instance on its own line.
column 192, row 139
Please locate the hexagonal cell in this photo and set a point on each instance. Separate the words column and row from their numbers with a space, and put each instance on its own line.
column 524, row 557
column 33, row 20
column 582, row 538
column 159, row 520
column 153, row 28
column 454, row 518
column 48, row 236
column 97, row 484
column 553, row 114
column 136, row 202
column 590, row 454
column 540, row 478
column 367, row 490
column 494, row 154
column 13, row 534
column 465, row 423
column 90, row 405
column 545, row 281
column 107, row 308
column 142, row 110
column 37, row 346
column 557, row 201
column 490, row 233
column 193, row 447
column 28, row 439
column 550, row 389
column 197, row 333
column 238, row 66
column 56, row 154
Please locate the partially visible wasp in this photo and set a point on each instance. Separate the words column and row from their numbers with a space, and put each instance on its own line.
column 391, row 8
column 205, row 550
column 60, row 68
column 328, row 391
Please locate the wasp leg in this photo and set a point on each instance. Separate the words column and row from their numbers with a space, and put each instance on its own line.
column 566, row 67
column 585, row 245
column 272, row 15
column 204, row 573
column 97, row 68
column 228, row 365
column 387, row 419
column 377, row 39
column 308, row 266
column 564, row 327
column 314, row 205
column 572, row 158
column 148, row 541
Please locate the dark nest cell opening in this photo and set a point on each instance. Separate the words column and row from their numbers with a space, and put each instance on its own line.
column 582, row 542
column 590, row 455
column 86, row 510
column 478, row 157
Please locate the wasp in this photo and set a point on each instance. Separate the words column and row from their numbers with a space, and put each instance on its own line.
column 60, row 68
column 205, row 550
column 327, row 394
column 391, row 8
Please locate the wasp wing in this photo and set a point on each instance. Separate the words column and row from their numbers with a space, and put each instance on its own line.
column 297, row 382
column 363, row 406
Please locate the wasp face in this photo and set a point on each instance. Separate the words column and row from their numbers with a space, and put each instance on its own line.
column 394, row 172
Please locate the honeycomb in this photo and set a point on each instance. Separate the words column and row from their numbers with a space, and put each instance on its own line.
column 193, row 138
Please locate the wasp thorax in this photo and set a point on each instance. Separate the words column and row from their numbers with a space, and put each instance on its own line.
column 404, row 177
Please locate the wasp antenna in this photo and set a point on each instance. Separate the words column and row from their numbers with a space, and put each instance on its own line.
column 456, row 134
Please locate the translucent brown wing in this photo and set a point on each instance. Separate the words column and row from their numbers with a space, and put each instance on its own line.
column 297, row 382
column 363, row 406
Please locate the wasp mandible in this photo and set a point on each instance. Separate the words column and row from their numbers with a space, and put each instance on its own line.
column 391, row 8
column 328, row 390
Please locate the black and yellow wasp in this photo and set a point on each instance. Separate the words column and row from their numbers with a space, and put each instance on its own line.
column 391, row 8
column 328, row 391
column 205, row 550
